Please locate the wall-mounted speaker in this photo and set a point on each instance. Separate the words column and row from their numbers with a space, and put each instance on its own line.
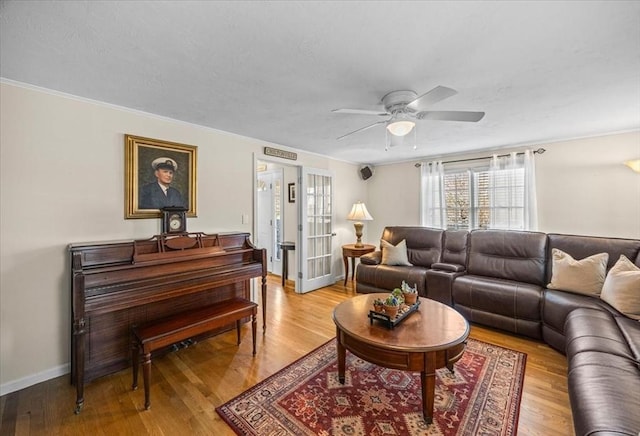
column 366, row 171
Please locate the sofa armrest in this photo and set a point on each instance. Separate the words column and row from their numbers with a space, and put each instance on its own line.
column 440, row 284
column 371, row 258
column 450, row 267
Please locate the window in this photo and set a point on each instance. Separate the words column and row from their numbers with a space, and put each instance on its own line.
column 473, row 203
column 457, row 195
column 501, row 195
column 506, row 193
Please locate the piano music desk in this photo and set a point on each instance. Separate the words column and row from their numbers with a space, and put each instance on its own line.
column 155, row 335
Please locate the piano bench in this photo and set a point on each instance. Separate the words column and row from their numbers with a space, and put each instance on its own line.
column 155, row 335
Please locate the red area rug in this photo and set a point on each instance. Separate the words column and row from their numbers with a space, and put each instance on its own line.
column 482, row 396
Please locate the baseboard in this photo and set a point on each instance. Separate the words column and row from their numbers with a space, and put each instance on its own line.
column 34, row 379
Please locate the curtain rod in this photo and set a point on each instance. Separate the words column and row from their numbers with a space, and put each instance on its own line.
column 538, row 151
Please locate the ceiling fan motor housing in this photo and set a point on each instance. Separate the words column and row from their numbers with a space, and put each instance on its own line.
column 396, row 101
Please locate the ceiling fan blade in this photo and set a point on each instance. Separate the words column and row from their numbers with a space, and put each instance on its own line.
column 437, row 94
column 451, row 116
column 361, row 129
column 361, row 111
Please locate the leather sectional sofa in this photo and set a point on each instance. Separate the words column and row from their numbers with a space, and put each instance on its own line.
column 500, row 279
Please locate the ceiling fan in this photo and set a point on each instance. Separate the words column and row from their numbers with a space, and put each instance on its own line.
column 405, row 107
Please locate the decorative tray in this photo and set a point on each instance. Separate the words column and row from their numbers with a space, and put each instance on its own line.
column 391, row 323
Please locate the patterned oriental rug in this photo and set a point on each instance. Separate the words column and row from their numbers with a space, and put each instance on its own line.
column 482, row 396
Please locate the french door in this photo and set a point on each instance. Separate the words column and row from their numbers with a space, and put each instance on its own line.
column 316, row 229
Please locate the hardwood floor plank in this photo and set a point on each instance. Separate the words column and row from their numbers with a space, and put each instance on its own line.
column 9, row 413
column 187, row 386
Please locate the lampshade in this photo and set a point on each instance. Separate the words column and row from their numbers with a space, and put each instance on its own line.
column 359, row 212
column 634, row 165
column 400, row 128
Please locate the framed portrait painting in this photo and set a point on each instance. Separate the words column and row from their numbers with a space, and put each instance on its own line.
column 158, row 174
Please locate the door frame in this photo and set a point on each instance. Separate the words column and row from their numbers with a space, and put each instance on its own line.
column 264, row 158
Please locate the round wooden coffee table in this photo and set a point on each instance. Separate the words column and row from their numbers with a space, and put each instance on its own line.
column 430, row 338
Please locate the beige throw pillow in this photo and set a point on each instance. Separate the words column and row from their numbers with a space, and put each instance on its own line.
column 394, row 254
column 622, row 288
column 584, row 276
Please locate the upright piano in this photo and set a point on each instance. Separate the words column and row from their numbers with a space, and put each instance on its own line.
column 119, row 284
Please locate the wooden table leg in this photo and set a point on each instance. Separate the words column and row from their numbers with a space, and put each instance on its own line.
column 353, row 268
column 342, row 356
column 428, row 379
column 253, row 331
column 345, row 259
column 146, row 376
column 264, row 304
column 78, row 343
column 285, row 266
column 135, row 360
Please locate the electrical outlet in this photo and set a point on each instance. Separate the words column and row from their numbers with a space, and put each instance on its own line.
column 245, row 218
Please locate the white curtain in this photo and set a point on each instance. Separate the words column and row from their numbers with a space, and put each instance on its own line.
column 530, row 199
column 433, row 209
column 512, row 192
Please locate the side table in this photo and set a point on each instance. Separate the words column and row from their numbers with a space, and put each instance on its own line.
column 285, row 247
column 353, row 252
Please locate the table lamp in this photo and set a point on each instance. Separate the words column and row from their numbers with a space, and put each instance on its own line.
column 359, row 213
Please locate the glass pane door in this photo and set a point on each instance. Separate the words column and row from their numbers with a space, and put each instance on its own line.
column 316, row 196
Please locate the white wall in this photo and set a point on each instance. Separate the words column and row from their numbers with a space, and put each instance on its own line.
column 62, row 181
column 394, row 199
column 583, row 188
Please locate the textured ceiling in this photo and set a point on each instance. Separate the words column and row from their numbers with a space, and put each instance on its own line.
column 274, row 70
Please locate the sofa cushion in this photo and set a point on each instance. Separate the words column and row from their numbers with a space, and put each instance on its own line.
column 604, row 390
column 455, row 247
column 584, row 276
column 622, row 288
column 580, row 247
column 424, row 245
column 503, row 297
column 604, row 375
column 378, row 278
column 594, row 330
column 556, row 307
column 394, row 254
column 630, row 329
column 371, row 258
column 509, row 255
column 504, row 304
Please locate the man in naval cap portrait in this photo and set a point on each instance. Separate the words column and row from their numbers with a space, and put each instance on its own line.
column 159, row 194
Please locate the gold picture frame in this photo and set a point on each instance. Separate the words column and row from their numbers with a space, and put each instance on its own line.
column 148, row 184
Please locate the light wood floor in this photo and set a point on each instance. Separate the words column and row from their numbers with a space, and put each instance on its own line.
column 187, row 385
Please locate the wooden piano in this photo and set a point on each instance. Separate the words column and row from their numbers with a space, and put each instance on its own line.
column 119, row 284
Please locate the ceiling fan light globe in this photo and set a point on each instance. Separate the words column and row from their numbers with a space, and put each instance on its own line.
column 400, row 128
